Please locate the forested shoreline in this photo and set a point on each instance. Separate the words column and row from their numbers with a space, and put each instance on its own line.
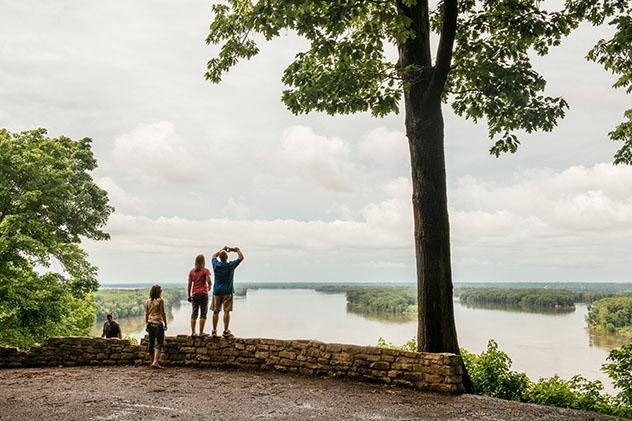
column 131, row 302
column 612, row 314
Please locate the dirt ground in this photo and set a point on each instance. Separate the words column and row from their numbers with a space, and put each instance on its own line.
column 141, row 393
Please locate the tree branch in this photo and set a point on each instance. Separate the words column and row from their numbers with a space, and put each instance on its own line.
column 444, row 51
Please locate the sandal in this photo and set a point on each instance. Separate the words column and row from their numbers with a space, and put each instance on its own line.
column 202, row 335
column 228, row 334
column 214, row 334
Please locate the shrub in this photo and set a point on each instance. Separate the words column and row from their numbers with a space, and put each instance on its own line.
column 410, row 346
column 491, row 375
column 620, row 371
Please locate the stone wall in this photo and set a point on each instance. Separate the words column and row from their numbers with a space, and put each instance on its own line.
column 72, row 351
column 423, row 371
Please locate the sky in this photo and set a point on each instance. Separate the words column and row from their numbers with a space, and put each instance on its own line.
column 191, row 166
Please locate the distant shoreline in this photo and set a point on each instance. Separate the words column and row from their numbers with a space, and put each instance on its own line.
column 573, row 286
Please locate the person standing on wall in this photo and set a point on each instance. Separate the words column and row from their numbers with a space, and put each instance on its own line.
column 156, row 320
column 198, row 288
column 111, row 328
column 223, row 289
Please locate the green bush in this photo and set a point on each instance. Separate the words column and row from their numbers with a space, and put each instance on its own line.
column 619, row 369
column 410, row 346
column 491, row 375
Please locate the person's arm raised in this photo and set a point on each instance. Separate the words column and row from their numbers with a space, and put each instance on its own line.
column 239, row 253
column 216, row 254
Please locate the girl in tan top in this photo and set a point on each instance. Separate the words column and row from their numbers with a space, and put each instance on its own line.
column 156, row 320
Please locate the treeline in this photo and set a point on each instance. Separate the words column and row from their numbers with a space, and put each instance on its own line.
column 131, row 302
column 520, row 298
column 613, row 314
column 395, row 300
column 403, row 299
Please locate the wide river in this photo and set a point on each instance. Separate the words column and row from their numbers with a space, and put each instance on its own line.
column 539, row 344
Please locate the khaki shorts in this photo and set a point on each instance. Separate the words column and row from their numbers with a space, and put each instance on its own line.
column 222, row 301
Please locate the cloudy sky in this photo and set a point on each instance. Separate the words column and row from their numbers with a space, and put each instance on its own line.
column 192, row 166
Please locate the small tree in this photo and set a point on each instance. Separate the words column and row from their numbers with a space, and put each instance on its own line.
column 48, row 202
column 619, row 369
column 482, row 66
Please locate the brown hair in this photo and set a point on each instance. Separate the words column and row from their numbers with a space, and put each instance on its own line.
column 155, row 292
column 199, row 262
column 223, row 256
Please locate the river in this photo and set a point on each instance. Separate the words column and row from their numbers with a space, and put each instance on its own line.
column 541, row 345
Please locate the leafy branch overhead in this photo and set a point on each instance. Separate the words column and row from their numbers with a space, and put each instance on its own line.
column 347, row 67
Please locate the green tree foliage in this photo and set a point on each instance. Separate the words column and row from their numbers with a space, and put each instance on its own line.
column 410, row 346
column 48, row 202
column 346, row 68
column 491, row 375
column 131, row 302
column 393, row 300
column 613, row 314
column 520, row 298
column 403, row 300
column 619, row 368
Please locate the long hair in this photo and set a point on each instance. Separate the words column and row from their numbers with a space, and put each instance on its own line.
column 199, row 262
column 155, row 292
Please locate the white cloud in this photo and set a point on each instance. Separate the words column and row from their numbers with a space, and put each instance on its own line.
column 382, row 228
column 400, row 188
column 384, row 145
column 157, row 153
column 575, row 217
column 323, row 160
column 236, row 209
column 119, row 198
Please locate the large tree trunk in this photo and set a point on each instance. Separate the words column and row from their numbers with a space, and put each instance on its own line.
column 436, row 331
column 424, row 129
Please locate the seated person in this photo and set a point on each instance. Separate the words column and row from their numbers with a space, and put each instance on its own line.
column 111, row 329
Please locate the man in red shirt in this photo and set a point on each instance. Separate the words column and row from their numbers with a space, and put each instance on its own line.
column 198, row 288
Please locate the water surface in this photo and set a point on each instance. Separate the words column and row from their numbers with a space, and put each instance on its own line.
column 539, row 344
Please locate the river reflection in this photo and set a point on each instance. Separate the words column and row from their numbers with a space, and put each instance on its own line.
column 520, row 309
column 539, row 344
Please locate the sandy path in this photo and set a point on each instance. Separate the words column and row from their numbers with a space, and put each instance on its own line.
column 140, row 393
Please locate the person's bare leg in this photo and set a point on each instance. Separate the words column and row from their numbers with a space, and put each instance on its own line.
column 156, row 359
column 202, row 323
column 226, row 320
column 192, row 327
column 215, row 320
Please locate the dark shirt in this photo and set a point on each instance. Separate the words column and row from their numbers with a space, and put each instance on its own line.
column 224, row 272
column 111, row 330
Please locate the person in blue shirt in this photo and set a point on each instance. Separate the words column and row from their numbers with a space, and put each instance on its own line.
column 223, row 288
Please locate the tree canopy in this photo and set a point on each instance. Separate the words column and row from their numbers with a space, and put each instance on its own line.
column 486, row 45
column 48, row 203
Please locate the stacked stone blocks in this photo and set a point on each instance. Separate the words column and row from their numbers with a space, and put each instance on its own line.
column 437, row 372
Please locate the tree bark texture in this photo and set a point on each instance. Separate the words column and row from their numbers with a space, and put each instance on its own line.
column 436, row 330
